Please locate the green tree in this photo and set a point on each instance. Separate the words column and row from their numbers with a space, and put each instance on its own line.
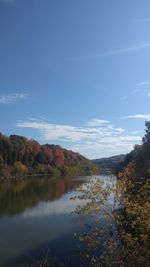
column 146, row 138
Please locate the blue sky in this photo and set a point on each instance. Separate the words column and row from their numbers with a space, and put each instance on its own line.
column 76, row 73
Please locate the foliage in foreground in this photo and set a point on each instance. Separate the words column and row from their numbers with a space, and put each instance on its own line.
column 117, row 232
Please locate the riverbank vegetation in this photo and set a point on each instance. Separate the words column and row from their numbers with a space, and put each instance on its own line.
column 20, row 157
column 118, row 210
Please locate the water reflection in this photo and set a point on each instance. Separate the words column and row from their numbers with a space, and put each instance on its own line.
column 34, row 213
column 16, row 196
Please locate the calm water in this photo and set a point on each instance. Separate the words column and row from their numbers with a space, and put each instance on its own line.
column 36, row 218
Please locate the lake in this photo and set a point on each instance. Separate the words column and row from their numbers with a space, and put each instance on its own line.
column 36, row 218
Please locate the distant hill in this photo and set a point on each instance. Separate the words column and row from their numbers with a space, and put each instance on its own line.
column 20, row 156
column 112, row 164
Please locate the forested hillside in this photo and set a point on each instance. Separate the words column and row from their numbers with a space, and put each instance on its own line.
column 20, row 157
column 140, row 155
column 112, row 164
column 135, row 222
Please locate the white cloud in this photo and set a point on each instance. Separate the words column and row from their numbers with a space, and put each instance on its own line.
column 118, row 130
column 108, row 146
column 138, row 116
column 145, row 83
column 92, row 141
column 96, row 122
column 69, row 133
column 11, row 98
column 60, row 132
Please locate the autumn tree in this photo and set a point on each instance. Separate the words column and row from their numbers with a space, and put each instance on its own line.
column 119, row 235
column 20, row 170
column 116, row 232
column 46, row 159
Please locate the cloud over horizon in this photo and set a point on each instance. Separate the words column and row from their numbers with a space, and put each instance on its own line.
column 96, row 138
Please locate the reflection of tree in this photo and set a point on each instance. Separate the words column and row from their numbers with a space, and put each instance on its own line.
column 15, row 196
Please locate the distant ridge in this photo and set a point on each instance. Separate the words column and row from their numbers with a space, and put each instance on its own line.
column 112, row 164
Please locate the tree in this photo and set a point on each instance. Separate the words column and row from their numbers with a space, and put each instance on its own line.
column 1, row 161
column 113, row 236
column 20, row 170
column 146, row 138
column 52, row 159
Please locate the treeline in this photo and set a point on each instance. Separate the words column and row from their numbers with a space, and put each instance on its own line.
column 140, row 156
column 135, row 219
column 20, row 157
